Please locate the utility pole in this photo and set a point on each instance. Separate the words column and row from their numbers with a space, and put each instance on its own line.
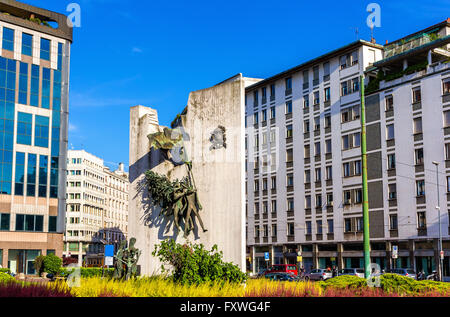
column 438, row 207
column 364, row 181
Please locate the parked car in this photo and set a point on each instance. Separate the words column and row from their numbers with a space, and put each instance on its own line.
column 354, row 272
column 405, row 272
column 281, row 277
column 319, row 275
column 283, row 268
column 261, row 273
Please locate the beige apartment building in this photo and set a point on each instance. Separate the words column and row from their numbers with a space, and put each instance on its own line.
column 96, row 209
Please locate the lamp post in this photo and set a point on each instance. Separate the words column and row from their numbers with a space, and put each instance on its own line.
column 438, row 207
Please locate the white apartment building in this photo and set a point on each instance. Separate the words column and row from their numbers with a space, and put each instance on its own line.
column 96, row 209
column 304, row 184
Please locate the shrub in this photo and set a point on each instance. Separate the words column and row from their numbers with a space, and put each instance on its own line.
column 6, row 278
column 39, row 264
column 52, row 264
column 6, row 270
column 88, row 272
column 344, row 282
column 193, row 264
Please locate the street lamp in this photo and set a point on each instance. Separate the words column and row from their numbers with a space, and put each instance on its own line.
column 438, row 207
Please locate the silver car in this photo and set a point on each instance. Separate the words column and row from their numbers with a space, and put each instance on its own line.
column 354, row 272
column 405, row 272
column 319, row 275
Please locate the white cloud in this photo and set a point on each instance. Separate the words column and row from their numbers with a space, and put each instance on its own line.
column 72, row 127
column 137, row 50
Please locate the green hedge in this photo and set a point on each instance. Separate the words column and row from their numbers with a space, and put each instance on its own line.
column 390, row 283
column 5, row 270
column 87, row 272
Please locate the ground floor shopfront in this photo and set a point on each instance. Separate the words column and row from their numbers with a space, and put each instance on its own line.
column 418, row 255
column 18, row 250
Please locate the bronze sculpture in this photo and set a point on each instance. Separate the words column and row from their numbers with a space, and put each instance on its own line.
column 126, row 260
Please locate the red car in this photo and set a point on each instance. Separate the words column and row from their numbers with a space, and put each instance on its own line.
column 283, row 268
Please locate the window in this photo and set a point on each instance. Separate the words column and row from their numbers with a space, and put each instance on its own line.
column 417, row 95
column 330, row 226
column 288, row 83
column 274, row 231
column 358, row 196
column 319, row 226
column 348, row 225
column 30, row 223
column 265, row 231
column 305, row 101
column 347, row 197
column 290, row 204
column 45, row 100
column 446, row 119
column 31, row 175
column 256, row 187
column 264, row 115
column 344, row 89
column 327, row 121
column 358, row 167
column 350, row 86
column 390, row 135
column 355, row 84
column 305, row 79
column 306, row 126
column 318, row 174
column 393, row 222
column 265, row 185
column 317, row 148
column 308, row 202
column 326, row 93
column 256, row 208
column 357, row 139
column 264, row 92
column 20, row 174
column 289, row 155
column 359, row 224
column 328, row 146
column 316, row 75
column 272, row 113
column 420, row 188
column 389, row 103
column 446, row 86
column 274, row 206
column 45, row 49
column 316, row 123
column 356, row 112
column 329, row 200
column 288, row 107
column 34, row 89
column 24, row 128
column 307, row 176
column 256, row 232
column 316, row 98
column 419, row 156
column 349, row 60
column 308, row 227
column 255, row 97
column 329, row 172
column 52, row 223
column 27, row 44
column 326, row 69
column 392, row 189
column 345, row 142
column 290, row 229
column 265, row 207
column 256, row 118
column 273, row 182
column 290, row 180
column 23, row 84
column 391, row 161
column 307, row 151
column 421, row 220
column 289, row 131
column 272, row 91
column 41, row 131
column 4, row 222
column 8, row 39
column 418, row 125
column 345, row 115
column 318, row 201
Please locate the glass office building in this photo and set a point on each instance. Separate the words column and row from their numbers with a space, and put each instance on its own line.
column 34, row 81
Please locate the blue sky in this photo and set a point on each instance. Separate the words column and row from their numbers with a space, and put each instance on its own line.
column 155, row 52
